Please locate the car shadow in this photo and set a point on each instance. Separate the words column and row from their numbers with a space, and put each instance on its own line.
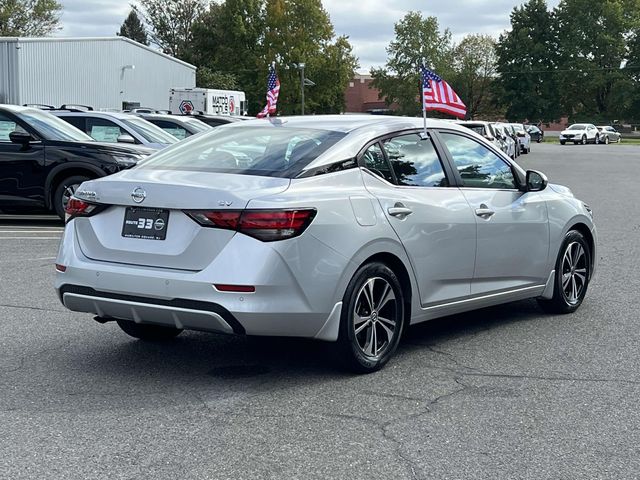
column 203, row 358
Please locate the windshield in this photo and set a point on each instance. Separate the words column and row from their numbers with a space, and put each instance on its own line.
column 264, row 151
column 578, row 126
column 149, row 131
column 51, row 127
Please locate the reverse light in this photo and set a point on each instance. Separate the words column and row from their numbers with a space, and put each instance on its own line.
column 264, row 225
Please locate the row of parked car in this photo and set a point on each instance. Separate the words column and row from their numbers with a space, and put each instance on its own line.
column 583, row 133
column 47, row 152
column 512, row 138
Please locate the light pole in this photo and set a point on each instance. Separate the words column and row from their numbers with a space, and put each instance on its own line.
column 301, row 67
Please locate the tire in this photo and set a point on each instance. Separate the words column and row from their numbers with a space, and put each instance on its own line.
column 367, row 340
column 539, row 140
column 597, row 140
column 148, row 332
column 606, row 140
column 64, row 190
column 562, row 142
column 573, row 268
column 584, row 140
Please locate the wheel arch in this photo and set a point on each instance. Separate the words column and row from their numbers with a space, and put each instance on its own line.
column 588, row 235
column 68, row 170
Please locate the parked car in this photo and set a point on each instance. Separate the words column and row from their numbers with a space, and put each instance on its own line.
column 509, row 143
column 485, row 129
column 180, row 126
column 217, row 120
column 114, row 127
column 536, row 133
column 43, row 160
column 580, row 133
column 608, row 134
column 523, row 137
column 343, row 229
column 511, row 131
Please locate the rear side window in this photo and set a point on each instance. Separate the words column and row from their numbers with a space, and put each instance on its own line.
column 374, row 160
column 415, row 161
column 78, row 122
column 249, row 150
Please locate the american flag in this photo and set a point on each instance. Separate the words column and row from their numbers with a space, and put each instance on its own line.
column 438, row 95
column 273, row 90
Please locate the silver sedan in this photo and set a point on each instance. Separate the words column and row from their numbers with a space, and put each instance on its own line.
column 340, row 228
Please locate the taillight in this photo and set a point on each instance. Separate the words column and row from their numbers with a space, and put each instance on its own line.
column 79, row 208
column 265, row 225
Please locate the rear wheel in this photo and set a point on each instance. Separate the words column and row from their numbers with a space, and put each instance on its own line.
column 597, row 140
column 584, row 140
column 63, row 192
column 372, row 319
column 572, row 275
column 148, row 332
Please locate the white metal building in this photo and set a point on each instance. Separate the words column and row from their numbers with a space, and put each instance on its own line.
column 100, row 72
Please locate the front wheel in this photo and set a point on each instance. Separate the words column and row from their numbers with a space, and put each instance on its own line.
column 372, row 319
column 597, row 140
column 63, row 192
column 145, row 331
column 562, row 142
column 606, row 140
column 573, row 270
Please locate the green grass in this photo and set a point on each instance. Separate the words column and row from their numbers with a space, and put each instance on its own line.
column 625, row 141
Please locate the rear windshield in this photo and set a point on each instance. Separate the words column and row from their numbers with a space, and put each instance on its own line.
column 578, row 126
column 263, row 151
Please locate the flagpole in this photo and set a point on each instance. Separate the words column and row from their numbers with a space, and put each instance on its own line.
column 424, row 103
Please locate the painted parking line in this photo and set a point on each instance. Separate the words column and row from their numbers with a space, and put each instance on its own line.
column 29, row 238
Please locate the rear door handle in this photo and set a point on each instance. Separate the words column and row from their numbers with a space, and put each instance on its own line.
column 484, row 212
column 399, row 211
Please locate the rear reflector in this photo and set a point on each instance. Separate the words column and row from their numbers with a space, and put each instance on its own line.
column 235, row 288
column 60, row 268
column 265, row 225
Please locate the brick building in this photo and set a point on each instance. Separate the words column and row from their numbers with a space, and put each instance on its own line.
column 361, row 98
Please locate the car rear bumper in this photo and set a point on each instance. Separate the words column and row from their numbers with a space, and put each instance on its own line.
column 281, row 305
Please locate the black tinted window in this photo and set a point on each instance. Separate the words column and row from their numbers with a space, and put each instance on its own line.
column 415, row 161
column 374, row 160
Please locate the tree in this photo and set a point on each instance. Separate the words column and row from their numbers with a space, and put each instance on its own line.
column 526, row 62
column 417, row 38
column 29, row 18
column 133, row 28
column 592, row 43
column 208, row 78
column 474, row 64
column 171, row 23
column 300, row 31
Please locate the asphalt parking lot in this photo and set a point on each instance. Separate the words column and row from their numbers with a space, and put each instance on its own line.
column 503, row 393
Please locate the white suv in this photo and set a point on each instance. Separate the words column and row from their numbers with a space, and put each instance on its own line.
column 580, row 133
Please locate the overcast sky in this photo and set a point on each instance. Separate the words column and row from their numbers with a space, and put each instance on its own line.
column 368, row 23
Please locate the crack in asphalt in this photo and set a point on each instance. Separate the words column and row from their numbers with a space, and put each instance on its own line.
column 27, row 307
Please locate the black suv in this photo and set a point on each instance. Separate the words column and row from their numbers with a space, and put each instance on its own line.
column 43, row 160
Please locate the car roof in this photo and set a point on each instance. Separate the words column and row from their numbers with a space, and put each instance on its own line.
column 18, row 108
column 160, row 116
column 93, row 113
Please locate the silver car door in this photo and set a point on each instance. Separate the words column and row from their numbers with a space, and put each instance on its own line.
column 432, row 220
column 513, row 227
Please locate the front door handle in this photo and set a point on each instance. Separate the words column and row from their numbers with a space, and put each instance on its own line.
column 484, row 212
column 399, row 210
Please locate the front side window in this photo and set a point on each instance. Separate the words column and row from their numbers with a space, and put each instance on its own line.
column 7, row 127
column 375, row 161
column 150, row 132
column 103, row 130
column 415, row 161
column 264, row 151
column 478, row 166
column 171, row 128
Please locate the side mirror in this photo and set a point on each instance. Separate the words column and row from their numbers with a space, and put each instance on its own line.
column 124, row 138
column 536, row 181
column 21, row 138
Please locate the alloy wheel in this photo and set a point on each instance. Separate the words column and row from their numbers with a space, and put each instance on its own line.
column 67, row 193
column 375, row 317
column 584, row 140
column 606, row 140
column 574, row 273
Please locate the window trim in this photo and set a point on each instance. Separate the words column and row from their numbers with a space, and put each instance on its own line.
column 519, row 181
